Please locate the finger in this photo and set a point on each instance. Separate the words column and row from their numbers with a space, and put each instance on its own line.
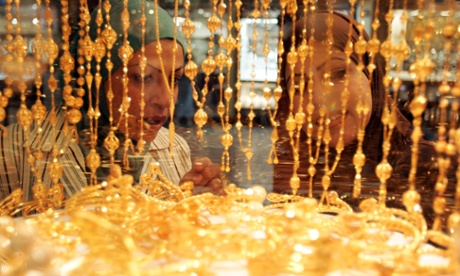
column 213, row 170
column 215, row 184
column 196, row 178
column 197, row 190
column 201, row 163
column 221, row 192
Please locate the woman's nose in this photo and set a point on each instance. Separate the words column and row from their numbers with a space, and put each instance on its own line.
column 158, row 96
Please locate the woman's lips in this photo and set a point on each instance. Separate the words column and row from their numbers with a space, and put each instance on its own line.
column 335, row 120
column 154, row 123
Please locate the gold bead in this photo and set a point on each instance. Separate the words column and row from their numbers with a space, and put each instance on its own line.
column 228, row 94
column 453, row 222
column 24, row 117
column 213, row 23
column 373, row 46
column 74, row 116
column 439, row 205
column 2, row 114
column 361, row 46
column 294, row 182
column 290, row 124
column 277, row 93
column 384, row 170
column 208, row 65
column 200, row 117
column 111, row 142
column 93, row 160
column 359, row 159
column 221, row 60
column 444, row 89
column 188, row 28
column 411, row 200
column 226, row 140
column 267, row 93
column 418, row 105
column 39, row 111
column 449, row 30
column 191, row 70
column 311, row 170
column 55, row 171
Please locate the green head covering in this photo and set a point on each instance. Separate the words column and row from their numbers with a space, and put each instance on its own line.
column 166, row 28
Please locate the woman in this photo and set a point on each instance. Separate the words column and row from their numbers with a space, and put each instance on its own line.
column 373, row 96
column 18, row 170
column 177, row 167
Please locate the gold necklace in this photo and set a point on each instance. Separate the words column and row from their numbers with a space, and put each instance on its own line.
column 109, row 36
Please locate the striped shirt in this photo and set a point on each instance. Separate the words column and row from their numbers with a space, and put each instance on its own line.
column 173, row 166
column 16, row 171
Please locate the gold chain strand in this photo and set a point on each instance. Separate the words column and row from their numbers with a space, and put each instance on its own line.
column 384, row 169
column 38, row 109
column 169, row 83
column 223, row 60
column 86, row 52
column 67, row 64
column 300, row 117
column 55, row 168
column 172, row 129
column 373, row 46
column 292, row 59
column 248, row 152
column 278, row 91
column 125, row 53
column 327, row 86
column 238, row 104
column 99, row 52
column 111, row 142
column 142, row 64
column 359, row 158
column 227, row 138
column 291, row 125
column 312, row 156
column 208, row 66
column 454, row 219
column 8, row 58
column 411, row 197
column 191, row 69
column 445, row 149
column 24, row 115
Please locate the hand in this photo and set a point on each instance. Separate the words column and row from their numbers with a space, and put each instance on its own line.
column 205, row 175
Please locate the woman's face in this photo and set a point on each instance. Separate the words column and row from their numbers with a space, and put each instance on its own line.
column 157, row 94
column 329, row 95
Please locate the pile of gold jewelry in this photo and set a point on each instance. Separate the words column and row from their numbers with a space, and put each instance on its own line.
column 114, row 227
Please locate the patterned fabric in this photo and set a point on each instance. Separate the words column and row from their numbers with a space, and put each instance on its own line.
column 16, row 172
column 173, row 166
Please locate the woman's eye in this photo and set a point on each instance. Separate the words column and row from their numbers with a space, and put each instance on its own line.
column 138, row 78
column 177, row 79
column 338, row 74
column 296, row 89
